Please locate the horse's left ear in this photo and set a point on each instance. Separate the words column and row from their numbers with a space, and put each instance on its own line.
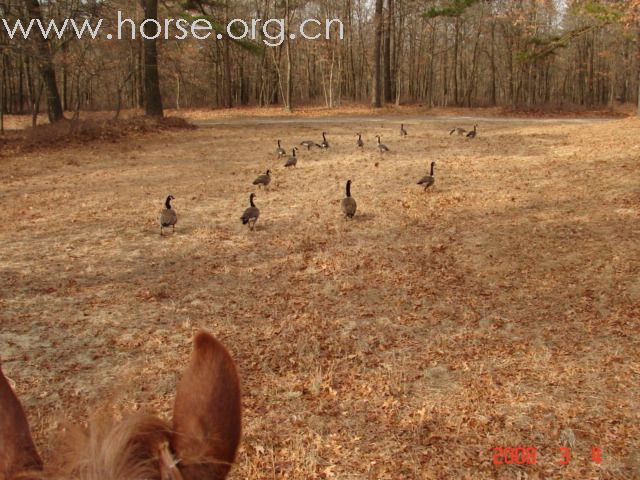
column 18, row 454
column 207, row 412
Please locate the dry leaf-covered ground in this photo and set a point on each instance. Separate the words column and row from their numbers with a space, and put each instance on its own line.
column 499, row 309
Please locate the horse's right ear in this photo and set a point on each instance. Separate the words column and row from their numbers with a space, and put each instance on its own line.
column 207, row 412
column 18, row 454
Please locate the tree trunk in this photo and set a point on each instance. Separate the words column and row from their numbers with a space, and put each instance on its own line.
column 474, row 64
column 289, row 91
column 638, row 66
column 227, row 93
column 456, row 41
column 21, row 86
column 445, row 62
column 65, row 84
column 227, row 99
column 45, row 65
column 3, row 79
column 388, row 92
column 493, row 63
column 377, row 81
column 152, row 96
column 36, row 106
column 177, row 91
column 140, row 74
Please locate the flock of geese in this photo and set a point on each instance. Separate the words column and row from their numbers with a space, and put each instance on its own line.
column 169, row 217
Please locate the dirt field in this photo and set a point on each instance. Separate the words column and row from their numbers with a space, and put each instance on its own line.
column 499, row 309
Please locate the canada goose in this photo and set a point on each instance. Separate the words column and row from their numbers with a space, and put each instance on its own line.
column 349, row 205
column 263, row 180
column 168, row 216
column 325, row 144
column 403, row 131
column 381, row 146
column 293, row 160
column 473, row 133
column 308, row 144
column 280, row 152
column 428, row 180
column 461, row 131
column 251, row 214
column 360, row 143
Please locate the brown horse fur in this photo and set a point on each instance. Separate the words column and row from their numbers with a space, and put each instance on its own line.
column 18, row 454
column 206, row 414
column 202, row 444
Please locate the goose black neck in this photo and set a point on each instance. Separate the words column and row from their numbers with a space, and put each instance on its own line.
column 432, row 165
column 294, row 152
column 349, row 188
column 278, row 143
column 168, row 203
column 251, row 200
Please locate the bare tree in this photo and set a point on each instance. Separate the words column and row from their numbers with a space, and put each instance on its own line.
column 464, row 52
column 152, row 96
column 45, row 65
column 377, row 54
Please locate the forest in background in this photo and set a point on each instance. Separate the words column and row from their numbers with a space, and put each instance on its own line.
column 462, row 53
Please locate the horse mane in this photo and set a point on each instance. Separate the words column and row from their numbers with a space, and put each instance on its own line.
column 110, row 450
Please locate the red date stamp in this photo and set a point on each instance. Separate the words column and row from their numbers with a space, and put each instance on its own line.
column 515, row 455
column 529, row 455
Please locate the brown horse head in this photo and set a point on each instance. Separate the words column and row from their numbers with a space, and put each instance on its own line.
column 200, row 445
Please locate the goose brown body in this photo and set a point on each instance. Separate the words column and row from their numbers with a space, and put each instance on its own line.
column 349, row 205
column 293, row 159
column 381, row 146
column 168, row 216
column 263, row 180
column 251, row 214
column 325, row 144
column 428, row 180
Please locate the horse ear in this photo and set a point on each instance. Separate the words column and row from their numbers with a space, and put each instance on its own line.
column 207, row 412
column 18, row 454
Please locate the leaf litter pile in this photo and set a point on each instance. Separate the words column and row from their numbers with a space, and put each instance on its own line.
column 498, row 309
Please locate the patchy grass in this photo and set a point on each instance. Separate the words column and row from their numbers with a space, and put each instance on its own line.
column 498, row 309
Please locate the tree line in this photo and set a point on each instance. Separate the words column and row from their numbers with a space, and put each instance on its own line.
column 463, row 53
